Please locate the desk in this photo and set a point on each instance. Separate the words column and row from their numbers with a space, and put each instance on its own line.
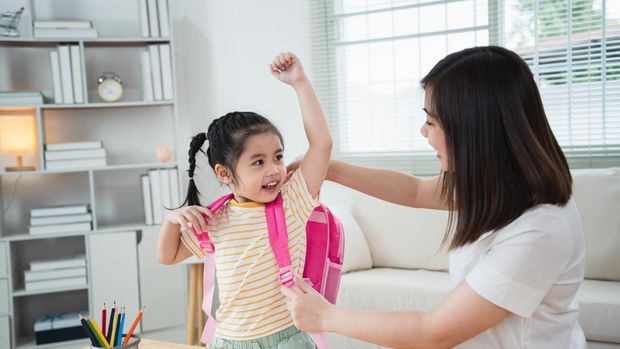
column 153, row 344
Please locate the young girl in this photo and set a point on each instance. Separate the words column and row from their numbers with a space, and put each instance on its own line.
column 246, row 152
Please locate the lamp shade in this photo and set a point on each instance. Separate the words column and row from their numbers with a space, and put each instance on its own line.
column 17, row 134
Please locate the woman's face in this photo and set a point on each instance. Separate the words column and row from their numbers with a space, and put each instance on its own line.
column 432, row 131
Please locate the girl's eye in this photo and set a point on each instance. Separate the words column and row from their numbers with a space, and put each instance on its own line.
column 279, row 157
column 257, row 162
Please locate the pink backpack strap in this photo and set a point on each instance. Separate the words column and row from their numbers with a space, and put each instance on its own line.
column 278, row 239
column 209, row 273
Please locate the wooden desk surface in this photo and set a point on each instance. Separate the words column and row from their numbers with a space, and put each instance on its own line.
column 153, row 344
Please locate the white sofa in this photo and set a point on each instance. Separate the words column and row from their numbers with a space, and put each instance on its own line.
column 392, row 260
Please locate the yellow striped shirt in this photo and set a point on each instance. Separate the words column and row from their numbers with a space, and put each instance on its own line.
column 251, row 304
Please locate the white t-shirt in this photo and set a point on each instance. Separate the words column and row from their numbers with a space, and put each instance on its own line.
column 533, row 268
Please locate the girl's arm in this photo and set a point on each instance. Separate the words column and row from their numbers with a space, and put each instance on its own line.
column 287, row 68
column 170, row 249
column 462, row 315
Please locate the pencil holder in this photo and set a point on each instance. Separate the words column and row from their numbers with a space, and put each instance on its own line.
column 132, row 344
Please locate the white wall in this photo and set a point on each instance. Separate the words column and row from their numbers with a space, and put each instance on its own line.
column 223, row 49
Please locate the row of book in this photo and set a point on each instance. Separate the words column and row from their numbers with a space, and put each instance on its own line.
column 14, row 98
column 160, row 190
column 56, row 273
column 66, row 156
column 157, row 73
column 67, row 75
column 63, row 29
column 154, row 18
column 60, row 219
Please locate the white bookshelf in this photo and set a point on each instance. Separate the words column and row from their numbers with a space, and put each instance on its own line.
column 130, row 130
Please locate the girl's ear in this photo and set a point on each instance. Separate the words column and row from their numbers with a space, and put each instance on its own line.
column 223, row 174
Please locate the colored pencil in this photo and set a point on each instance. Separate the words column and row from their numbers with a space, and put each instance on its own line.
column 119, row 332
column 133, row 326
column 108, row 336
column 103, row 313
column 89, row 331
column 100, row 335
column 114, row 325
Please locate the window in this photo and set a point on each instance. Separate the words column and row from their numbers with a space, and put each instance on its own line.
column 370, row 55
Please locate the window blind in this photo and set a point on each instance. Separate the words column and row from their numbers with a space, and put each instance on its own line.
column 369, row 55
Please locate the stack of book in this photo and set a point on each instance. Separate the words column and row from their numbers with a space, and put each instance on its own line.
column 154, row 19
column 66, row 156
column 157, row 73
column 64, row 29
column 56, row 273
column 160, row 191
column 60, row 219
column 15, row 98
column 67, row 78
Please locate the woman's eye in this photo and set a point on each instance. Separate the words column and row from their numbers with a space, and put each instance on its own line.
column 429, row 123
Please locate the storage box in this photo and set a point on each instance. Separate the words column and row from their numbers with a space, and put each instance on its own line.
column 59, row 327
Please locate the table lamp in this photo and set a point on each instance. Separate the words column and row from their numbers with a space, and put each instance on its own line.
column 17, row 137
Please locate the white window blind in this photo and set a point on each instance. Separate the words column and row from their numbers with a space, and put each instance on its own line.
column 369, row 56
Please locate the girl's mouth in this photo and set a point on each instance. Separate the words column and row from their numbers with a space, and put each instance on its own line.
column 270, row 185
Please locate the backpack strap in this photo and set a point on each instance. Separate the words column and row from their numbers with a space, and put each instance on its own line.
column 278, row 239
column 208, row 332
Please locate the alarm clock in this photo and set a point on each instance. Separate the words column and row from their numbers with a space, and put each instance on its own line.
column 110, row 87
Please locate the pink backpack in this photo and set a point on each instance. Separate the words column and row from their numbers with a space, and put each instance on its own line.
column 324, row 257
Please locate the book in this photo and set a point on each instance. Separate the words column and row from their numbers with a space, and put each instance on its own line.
column 20, row 97
column 146, row 199
column 153, row 18
column 166, row 71
column 73, row 262
column 164, row 180
column 62, row 24
column 65, row 33
column 147, row 78
column 76, row 73
column 39, row 275
column 156, row 72
column 74, row 145
column 60, row 228
column 156, row 196
column 174, row 187
column 75, row 163
column 75, row 154
column 74, row 218
column 55, row 283
column 56, row 80
column 59, row 210
column 144, row 18
column 164, row 19
column 65, row 74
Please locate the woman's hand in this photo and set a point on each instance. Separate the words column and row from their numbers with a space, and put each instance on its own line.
column 293, row 166
column 287, row 68
column 308, row 308
column 190, row 217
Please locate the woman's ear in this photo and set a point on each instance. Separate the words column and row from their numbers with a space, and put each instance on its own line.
column 223, row 174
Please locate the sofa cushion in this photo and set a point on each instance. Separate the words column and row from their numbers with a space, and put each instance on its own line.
column 599, row 310
column 597, row 195
column 356, row 252
column 399, row 236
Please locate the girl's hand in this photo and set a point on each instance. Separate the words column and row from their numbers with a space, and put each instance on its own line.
column 190, row 217
column 287, row 68
column 308, row 308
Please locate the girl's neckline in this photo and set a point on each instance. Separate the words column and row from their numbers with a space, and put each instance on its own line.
column 249, row 204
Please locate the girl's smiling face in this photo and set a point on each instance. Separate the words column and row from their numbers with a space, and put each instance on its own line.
column 260, row 170
column 433, row 132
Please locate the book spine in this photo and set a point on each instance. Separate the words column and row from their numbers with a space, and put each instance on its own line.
column 174, row 187
column 156, row 72
column 57, row 264
column 76, row 70
column 166, row 71
column 75, row 154
column 153, row 18
column 164, row 180
column 58, row 211
column 74, row 146
column 156, row 196
column 71, row 164
column 87, row 217
column 56, row 80
column 164, row 20
column 147, row 78
column 144, row 18
column 65, row 74
column 146, row 199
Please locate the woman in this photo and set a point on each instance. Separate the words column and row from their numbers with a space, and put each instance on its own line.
column 514, row 234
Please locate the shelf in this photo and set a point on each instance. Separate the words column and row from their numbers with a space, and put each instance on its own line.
column 87, row 105
column 46, row 41
column 30, row 343
column 104, row 229
column 171, row 164
column 124, row 227
column 24, row 293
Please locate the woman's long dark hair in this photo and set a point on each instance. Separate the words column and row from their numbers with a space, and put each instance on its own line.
column 227, row 137
column 503, row 156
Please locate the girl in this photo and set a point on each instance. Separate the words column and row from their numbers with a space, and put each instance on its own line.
column 517, row 250
column 246, row 152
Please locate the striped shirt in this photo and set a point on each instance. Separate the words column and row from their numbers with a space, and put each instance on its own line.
column 251, row 304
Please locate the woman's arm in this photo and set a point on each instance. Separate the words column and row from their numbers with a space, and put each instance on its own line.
column 462, row 315
column 392, row 186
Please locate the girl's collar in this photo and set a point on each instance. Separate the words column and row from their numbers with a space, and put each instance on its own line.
column 248, row 204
